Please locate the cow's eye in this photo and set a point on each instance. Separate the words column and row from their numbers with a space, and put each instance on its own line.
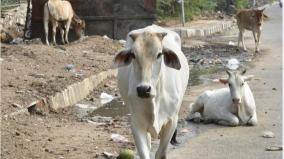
column 159, row 55
column 230, row 85
column 242, row 84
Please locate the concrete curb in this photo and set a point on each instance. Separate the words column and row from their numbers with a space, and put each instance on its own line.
column 78, row 91
column 67, row 97
column 187, row 32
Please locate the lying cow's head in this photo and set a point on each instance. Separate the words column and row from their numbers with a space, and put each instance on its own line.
column 236, row 82
column 78, row 25
column 147, row 57
column 259, row 16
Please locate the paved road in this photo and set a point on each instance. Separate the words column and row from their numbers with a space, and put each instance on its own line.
column 246, row 142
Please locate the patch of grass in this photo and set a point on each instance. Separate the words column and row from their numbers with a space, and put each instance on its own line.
column 170, row 9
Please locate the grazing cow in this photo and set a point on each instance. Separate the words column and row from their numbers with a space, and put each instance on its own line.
column 152, row 79
column 250, row 19
column 228, row 106
column 61, row 14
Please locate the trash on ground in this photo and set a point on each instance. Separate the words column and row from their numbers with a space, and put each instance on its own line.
column 110, row 155
column 101, row 119
column 118, row 138
column 17, row 105
column 106, row 37
column 268, row 134
column 233, row 64
column 185, row 130
column 232, row 43
column 69, row 67
column 106, row 98
column 17, row 41
column 274, row 148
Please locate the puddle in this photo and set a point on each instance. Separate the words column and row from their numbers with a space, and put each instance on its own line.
column 199, row 75
column 112, row 109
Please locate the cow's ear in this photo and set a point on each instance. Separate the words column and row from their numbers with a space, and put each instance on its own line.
column 262, row 9
column 133, row 36
column 229, row 72
column 171, row 59
column 248, row 77
column 123, row 58
column 244, row 72
column 223, row 80
column 265, row 16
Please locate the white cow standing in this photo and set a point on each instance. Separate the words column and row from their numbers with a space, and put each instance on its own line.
column 228, row 106
column 152, row 79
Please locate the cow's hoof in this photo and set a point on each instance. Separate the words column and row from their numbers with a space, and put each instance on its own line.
column 175, row 142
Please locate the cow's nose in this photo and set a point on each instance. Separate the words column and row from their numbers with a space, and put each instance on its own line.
column 236, row 101
column 144, row 91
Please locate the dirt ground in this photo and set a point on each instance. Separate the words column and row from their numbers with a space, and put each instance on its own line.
column 31, row 71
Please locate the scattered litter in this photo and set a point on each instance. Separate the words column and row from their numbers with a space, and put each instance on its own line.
column 118, row 138
column 274, row 148
column 185, row 130
column 110, row 155
column 268, row 134
column 38, row 107
column 94, row 123
column 36, row 75
column 106, row 98
column 17, row 105
column 101, row 119
column 232, row 43
column 233, row 64
column 20, row 91
column 69, row 67
column 17, row 41
column 106, row 37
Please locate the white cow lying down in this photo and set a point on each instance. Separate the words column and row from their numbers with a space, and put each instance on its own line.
column 227, row 106
column 152, row 79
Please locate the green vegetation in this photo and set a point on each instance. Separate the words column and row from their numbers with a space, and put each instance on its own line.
column 171, row 8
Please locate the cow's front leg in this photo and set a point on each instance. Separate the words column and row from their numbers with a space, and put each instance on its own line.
column 62, row 35
column 242, row 38
column 54, row 26
column 253, row 120
column 141, row 141
column 229, row 119
column 165, row 137
column 257, row 44
column 255, row 39
column 68, row 23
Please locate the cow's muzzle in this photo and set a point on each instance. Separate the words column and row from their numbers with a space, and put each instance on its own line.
column 143, row 91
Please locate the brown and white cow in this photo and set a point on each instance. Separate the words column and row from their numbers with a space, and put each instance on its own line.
column 61, row 14
column 250, row 19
